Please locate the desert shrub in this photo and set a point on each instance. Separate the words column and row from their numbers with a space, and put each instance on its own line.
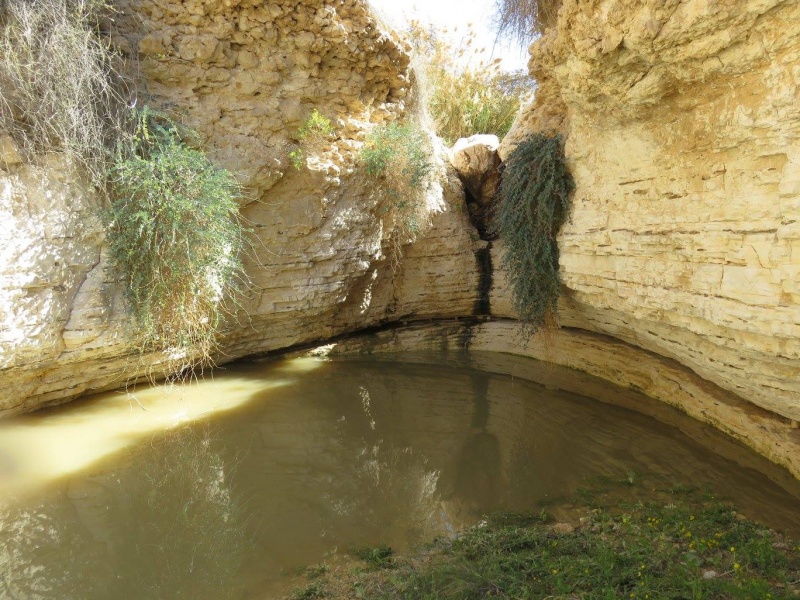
column 466, row 94
column 174, row 237
column 311, row 136
column 524, row 20
column 317, row 126
column 398, row 156
column 533, row 203
column 60, row 87
column 172, row 227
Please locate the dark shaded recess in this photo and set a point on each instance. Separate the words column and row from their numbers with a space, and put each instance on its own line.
column 465, row 336
column 480, row 216
column 483, row 261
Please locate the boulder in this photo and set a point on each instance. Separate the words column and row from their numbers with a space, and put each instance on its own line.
column 477, row 163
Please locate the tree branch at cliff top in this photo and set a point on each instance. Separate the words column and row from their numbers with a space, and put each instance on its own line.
column 523, row 21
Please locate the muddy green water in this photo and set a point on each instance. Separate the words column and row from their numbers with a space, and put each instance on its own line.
column 219, row 489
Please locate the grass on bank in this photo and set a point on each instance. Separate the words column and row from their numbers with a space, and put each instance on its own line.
column 677, row 544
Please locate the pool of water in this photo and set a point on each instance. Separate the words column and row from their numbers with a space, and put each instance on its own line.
column 219, row 489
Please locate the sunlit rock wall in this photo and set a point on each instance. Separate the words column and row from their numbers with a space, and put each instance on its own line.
column 53, row 301
column 245, row 74
column 682, row 124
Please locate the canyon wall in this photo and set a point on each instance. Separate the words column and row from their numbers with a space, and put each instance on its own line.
column 246, row 75
column 682, row 126
column 680, row 259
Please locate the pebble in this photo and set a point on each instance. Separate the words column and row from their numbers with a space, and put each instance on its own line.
column 710, row 575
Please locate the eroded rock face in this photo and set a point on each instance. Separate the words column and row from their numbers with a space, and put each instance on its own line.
column 245, row 74
column 683, row 134
column 248, row 73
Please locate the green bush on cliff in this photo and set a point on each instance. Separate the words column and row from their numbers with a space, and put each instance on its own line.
column 533, row 203
column 172, row 219
column 174, row 236
column 312, row 137
column 398, row 157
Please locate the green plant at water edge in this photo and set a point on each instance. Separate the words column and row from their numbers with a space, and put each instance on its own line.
column 627, row 541
column 695, row 549
column 60, row 84
column 312, row 136
column 174, row 237
column 377, row 557
column 309, row 592
column 398, row 157
column 533, row 203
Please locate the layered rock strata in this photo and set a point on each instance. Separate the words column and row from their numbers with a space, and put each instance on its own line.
column 682, row 127
column 246, row 75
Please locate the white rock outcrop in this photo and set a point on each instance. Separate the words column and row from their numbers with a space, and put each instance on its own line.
column 477, row 163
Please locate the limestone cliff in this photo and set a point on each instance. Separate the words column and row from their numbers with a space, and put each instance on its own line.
column 683, row 134
column 245, row 74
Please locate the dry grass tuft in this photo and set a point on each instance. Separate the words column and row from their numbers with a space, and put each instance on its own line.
column 523, row 21
column 60, row 84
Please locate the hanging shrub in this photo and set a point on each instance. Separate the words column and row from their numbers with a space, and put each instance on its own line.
column 397, row 156
column 174, row 236
column 533, row 203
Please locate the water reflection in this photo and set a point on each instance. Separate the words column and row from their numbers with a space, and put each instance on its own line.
column 479, row 471
column 165, row 525
column 39, row 448
column 343, row 454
